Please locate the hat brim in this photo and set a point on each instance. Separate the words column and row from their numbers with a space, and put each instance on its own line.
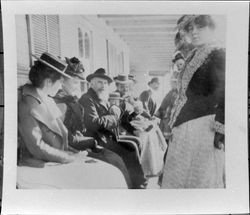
column 76, row 76
column 91, row 76
column 52, row 67
column 178, row 58
column 123, row 82
column 114, row 98
column 79, row 78
column 150, row 82
column 184, row 23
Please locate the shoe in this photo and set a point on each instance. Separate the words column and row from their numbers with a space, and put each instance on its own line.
column 142, row 186
column 149, row 128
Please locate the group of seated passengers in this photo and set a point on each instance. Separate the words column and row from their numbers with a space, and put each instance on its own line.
column 90, row 123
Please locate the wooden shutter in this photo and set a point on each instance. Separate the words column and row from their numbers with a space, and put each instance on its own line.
column 53, row 35
column 80, row 43
column 115, row 60
column 45, row 34
column 87, row 46
column 39, row 34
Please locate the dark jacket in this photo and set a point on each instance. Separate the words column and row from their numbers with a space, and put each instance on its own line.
column 98, row 121
column 126, row 118
column 148, row 103
column 206, row 90
column 164, row 111
column 167, row 104
column 73, row 119
column 127, row 115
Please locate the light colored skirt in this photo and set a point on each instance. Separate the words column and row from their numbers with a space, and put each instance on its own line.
column 192, row 160
column 153, row 148
column 94, row 174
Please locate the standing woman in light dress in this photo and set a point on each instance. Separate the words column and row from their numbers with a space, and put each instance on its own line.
column 195, row 156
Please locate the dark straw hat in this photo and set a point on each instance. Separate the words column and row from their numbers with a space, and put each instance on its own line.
column 154, row 80
column 75, row 68
column 53, row 62
column 99, row 73
column 122, row 79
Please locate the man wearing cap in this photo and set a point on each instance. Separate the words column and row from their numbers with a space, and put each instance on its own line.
column 123, row 82
column 136, row 122
column 100, row 124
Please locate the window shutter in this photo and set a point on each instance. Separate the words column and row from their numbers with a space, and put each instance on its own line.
column 87, row 45
column 115, row 60
column 53, row 35
column 80, row 43
column 39, row 31
column 45, row 34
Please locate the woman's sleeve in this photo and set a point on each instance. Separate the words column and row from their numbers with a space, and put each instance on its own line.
column 144, row 98
column 219, row 74
column 32, row 136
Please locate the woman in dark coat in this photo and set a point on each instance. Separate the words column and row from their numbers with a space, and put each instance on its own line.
column 69, row 96
column 195, row 156
column 167, row 104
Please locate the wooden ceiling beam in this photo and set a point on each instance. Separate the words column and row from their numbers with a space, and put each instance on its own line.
column 142, row 23
column 138, row 17
column 162, row 49
column 150, row 43
column 150, row 34
column 148, row 39
column 155, row 50
column 143, row 29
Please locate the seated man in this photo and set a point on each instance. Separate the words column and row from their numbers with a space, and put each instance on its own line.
column 138, row 122
column 115, row 101
column 73, row 119
column 100, row 124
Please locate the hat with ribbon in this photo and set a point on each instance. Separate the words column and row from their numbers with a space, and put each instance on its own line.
column 115, row 96
column 132, row 78
column 99, row 73
column 75, row 68
column 122, row 79
column 53, row 62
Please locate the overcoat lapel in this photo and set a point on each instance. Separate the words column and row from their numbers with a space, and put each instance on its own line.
column 104, row 104
column 41, row 114
column 40, row 111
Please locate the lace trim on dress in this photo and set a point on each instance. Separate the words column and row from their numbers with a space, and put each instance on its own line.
column 219, row 127
column 191, row 67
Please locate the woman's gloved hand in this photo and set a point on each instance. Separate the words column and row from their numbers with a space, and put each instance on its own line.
column 219, row 141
